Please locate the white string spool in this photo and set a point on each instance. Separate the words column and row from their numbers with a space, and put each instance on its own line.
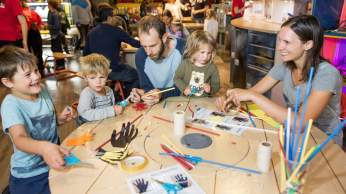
column 264, row 155
column 179, row 123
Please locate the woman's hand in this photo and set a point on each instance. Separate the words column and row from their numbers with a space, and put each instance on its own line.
column 220, row 103
column 236, row 96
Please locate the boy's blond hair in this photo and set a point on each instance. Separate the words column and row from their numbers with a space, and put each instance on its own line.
column 11, row 58
column 194, row 42
column 94, row 64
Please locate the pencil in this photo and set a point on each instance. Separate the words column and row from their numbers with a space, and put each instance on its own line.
column 158, row 92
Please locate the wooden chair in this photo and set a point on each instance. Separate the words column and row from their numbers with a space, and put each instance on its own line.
column 59, row 74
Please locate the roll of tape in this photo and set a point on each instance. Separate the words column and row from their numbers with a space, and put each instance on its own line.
column 264, row 155
column 133, row 163
column 179, row 122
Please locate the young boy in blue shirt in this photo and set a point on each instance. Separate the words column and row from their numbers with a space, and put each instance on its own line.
column 28, row 116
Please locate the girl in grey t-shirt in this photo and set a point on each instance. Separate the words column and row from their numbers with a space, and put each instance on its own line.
column 299, row 44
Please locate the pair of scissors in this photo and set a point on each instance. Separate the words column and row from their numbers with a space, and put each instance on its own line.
column 169, row 187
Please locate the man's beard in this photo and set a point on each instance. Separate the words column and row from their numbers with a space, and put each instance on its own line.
column 162, row 49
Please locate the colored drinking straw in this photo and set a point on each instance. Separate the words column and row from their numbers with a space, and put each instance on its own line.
column 296, row 110
column 307, row 93
column 305, row 140
column 330, row 137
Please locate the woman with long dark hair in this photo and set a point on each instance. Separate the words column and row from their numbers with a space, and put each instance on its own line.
column 299, row 44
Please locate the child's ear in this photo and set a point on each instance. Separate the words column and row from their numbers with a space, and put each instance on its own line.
column 7, row 82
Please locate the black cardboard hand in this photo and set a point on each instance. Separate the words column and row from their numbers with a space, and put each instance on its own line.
column 127, row 134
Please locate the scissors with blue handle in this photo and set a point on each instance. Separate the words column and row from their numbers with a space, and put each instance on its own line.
column 197, row 159
column 72, row 160
column 169, row 187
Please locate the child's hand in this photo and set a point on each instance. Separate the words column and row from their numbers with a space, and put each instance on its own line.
column 187, row 91
column 118, row 109
column 206, row 88
column 66, row 115
column 53, row 155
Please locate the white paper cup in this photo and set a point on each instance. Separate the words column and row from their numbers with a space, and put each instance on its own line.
column 179, row 123
column 264, row 155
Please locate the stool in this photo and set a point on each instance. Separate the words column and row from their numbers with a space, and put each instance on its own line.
column 59, row 74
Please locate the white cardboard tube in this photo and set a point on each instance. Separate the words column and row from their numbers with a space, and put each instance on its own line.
column 179, row 122
column 264, row 155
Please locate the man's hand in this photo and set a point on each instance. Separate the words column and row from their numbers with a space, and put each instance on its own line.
column 150, row 98
column 136, row 95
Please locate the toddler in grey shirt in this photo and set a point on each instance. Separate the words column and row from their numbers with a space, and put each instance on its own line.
column 97, row 100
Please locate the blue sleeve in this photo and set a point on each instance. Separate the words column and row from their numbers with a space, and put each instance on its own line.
column 11, row 114
column 53, row 21
column 144, row 81
column 125, row 37
column 180, row 45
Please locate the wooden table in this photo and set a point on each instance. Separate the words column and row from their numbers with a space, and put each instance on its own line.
column 327, row 172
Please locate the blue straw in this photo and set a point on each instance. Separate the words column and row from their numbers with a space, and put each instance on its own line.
column 287, row 143
column 307, row 93
column 250, row 117
column 284, row 140
column 302, row 145
column 251, row 120
column 296, row 109
column 330, row 137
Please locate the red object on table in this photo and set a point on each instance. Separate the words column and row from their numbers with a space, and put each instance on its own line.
column 140, row 106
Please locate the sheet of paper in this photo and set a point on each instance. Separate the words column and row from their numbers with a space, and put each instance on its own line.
column 173, row 175
column 219, row 121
